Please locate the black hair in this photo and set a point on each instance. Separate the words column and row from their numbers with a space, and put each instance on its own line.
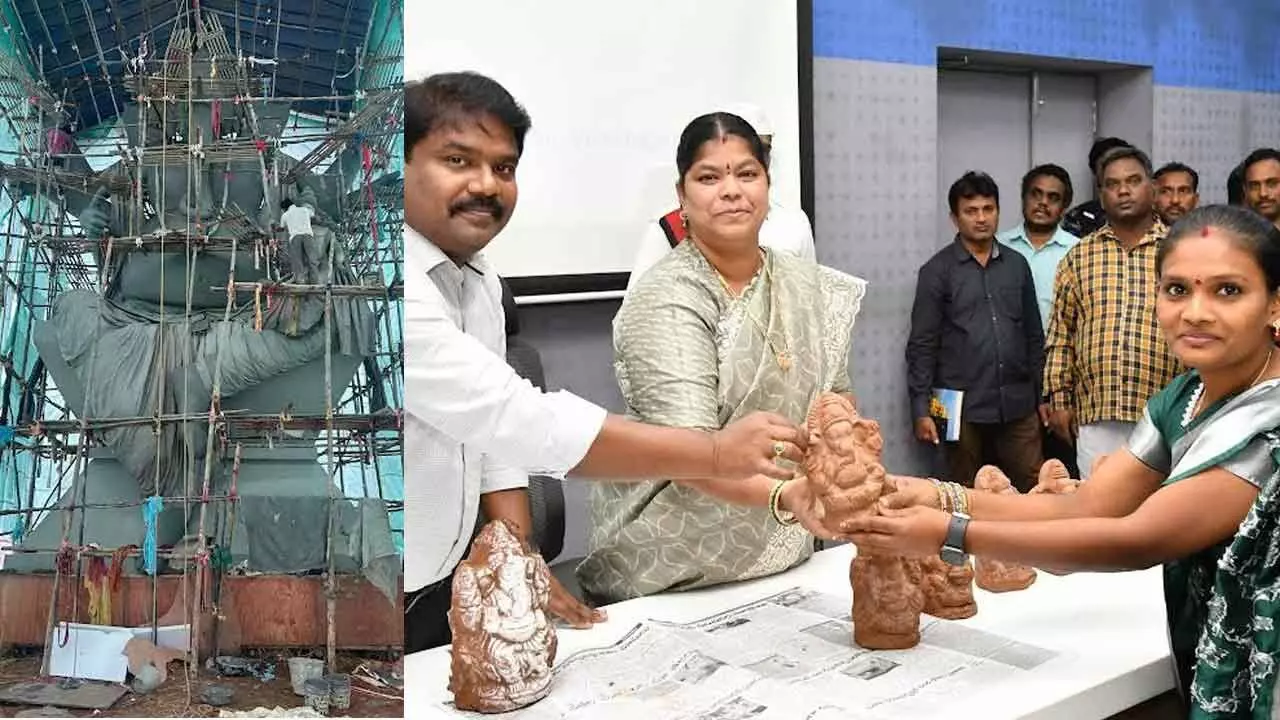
column 1174, row 167
column 285, row 204
column 1049, row 170
column 1256, row 157
column 450, row 98
column 1100, row 148
column 1116, row 154
column 1252, row 232
column 1235, row 186
column 716, row 126
column 972, row 184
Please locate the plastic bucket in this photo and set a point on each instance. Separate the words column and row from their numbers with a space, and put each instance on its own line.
column 302, row 669
column 316, row 691
column 339, row 690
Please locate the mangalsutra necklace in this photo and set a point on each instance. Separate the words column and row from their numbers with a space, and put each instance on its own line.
column 781, row 356
column 1193, row 404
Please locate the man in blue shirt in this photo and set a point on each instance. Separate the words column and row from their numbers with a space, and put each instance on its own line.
column 1046, row 194
column 1041, row 239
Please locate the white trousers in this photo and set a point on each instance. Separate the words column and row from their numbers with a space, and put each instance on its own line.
column 1098, row 439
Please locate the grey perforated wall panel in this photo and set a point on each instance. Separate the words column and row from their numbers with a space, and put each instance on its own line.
column 1206, row 129
column 1264, row 120
column 877, row 208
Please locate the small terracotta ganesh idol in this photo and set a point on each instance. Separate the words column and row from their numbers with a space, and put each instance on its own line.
column 846, row 479
column 1054, row 479
column 993, row 575
column 948, row 589
column 887, row 601
column 503, row 641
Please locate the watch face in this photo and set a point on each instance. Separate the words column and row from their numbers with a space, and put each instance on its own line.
column 952, row 556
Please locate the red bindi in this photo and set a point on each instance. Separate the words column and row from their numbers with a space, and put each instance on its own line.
column 1204, row 232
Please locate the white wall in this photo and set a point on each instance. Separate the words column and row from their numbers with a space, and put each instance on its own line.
column 609, row 87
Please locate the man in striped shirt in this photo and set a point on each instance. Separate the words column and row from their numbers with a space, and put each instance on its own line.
column 1105, row 355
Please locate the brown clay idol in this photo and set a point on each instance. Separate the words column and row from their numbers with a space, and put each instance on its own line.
column 887, row 601
column 1055, row 480
column 503, row 640
column 843, row 463
column 846, row 478
column 948, row 589
column 993, row 575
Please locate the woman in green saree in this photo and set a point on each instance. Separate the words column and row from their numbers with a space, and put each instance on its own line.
column 1197, row 489
column 719, row 328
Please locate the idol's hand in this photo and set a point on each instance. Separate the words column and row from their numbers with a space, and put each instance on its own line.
column 95, row 219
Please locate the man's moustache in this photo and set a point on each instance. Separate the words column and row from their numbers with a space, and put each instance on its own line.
column 489, row 206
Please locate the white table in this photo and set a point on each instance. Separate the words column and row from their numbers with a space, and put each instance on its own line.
column 1109, row 628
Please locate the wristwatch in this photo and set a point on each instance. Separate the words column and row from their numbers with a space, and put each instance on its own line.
column 953, row 546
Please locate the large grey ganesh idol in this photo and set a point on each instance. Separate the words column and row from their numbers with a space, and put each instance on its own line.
column 203, row 167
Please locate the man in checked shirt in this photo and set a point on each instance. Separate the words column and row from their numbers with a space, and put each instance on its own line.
column 1104, row 354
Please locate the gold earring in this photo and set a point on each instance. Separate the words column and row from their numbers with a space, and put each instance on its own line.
column 684, row 220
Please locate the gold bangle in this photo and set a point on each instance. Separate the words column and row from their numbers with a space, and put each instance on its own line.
column 775, row 496
column 954, row 491
column 959, row 498
column 944, row 503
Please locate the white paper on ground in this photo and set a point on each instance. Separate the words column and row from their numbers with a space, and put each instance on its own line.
column 96, row 652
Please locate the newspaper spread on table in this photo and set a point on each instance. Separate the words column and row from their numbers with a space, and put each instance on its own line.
column 790, row 655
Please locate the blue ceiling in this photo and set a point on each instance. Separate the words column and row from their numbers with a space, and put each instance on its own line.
column 314, row 42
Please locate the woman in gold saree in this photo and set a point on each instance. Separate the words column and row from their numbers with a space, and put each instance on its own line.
column 719, row 328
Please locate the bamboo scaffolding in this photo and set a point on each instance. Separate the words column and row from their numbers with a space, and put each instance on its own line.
column 46, row 254
column 372, row 291
column 281, row 421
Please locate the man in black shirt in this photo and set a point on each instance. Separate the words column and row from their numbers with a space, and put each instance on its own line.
column 1085, row 219
column 1235, row 186
column 975, row 327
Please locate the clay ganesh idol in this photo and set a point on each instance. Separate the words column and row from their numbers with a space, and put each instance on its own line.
column 993, row 575
column 948, row 589
column 503, row 640
column 887, row 601
column 846, row 479
column 1055, row 479
column 843, row 463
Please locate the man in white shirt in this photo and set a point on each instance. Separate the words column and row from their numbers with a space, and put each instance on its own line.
column 474, row 430
column 784, row 228
column 301, row 245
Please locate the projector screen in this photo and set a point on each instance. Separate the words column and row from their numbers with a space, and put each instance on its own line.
column 609, row 87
